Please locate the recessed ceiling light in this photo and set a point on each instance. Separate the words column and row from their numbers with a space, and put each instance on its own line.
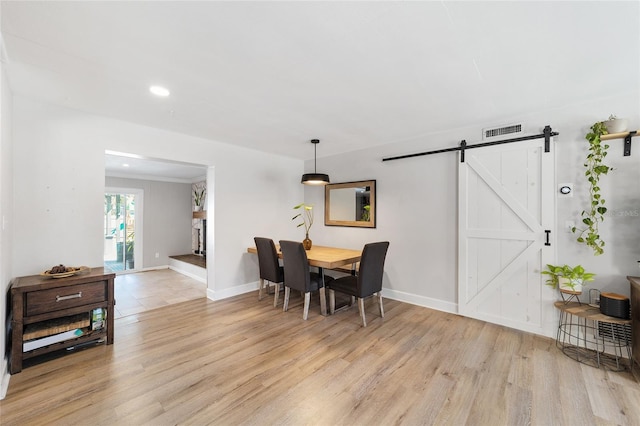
column 125, row 165
column 159, row 91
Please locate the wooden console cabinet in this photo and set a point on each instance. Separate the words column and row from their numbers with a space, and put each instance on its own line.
column 38, row 301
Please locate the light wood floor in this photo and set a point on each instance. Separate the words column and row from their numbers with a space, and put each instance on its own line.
column 240, row 361
column 143, row 291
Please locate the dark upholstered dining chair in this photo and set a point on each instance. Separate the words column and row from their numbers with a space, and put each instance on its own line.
column 270, row 269
column 367, row 282
column 297, row 276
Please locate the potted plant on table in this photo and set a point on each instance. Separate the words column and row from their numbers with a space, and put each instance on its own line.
column 569, row 279
column 307, row 220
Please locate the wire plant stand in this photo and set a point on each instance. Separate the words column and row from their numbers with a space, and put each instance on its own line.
column 592, row 338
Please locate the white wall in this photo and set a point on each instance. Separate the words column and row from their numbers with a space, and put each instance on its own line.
column 167, row 217
column 417, row 202
column 621, row 189
column 6, row 212
column 59, row 186
column 415, row 211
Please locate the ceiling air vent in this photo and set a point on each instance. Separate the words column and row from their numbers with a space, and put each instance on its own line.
column 501, row 132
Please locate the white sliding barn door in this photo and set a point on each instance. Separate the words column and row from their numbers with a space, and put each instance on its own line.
column 506, row 202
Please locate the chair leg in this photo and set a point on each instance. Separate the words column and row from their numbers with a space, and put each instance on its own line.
column 276, row 296
column 261, row 289
column 323, row 301
column 307, row 300
column 332, row 301
column 353, row 301
column 285, row 304
column 361, row 310
column 380, row 304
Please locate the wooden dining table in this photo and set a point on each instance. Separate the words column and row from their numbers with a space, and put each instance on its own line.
column 325, row 257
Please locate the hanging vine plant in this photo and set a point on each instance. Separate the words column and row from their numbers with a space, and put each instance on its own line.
column 594, row 214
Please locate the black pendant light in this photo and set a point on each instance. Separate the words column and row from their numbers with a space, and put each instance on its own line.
column 315, row 178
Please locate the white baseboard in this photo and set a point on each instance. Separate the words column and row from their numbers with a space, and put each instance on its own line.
column 189, row 270
column 135, row 271
column 232, row 291
column 154, row 268
column 516, row 325
column 4, row 378
column 401, row 296
column 423, row 301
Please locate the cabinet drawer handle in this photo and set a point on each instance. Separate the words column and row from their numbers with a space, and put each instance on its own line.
column 78, row 295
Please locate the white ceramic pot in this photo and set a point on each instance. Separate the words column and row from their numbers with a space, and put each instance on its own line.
column 565, row 286
column 618, row 125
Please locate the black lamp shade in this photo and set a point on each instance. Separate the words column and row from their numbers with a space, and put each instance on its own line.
column 315, row 179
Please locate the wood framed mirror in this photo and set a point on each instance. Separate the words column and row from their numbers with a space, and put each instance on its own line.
column 350, row 204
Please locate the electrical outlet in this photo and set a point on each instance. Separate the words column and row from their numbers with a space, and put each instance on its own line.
column 157, row 255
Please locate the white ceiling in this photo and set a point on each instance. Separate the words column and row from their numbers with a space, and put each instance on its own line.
column 134, row 166
column 273, row 75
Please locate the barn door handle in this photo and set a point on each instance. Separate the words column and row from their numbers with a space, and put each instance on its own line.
column 547, row 231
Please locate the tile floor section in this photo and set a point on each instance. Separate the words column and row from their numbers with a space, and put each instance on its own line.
column 143, row 291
